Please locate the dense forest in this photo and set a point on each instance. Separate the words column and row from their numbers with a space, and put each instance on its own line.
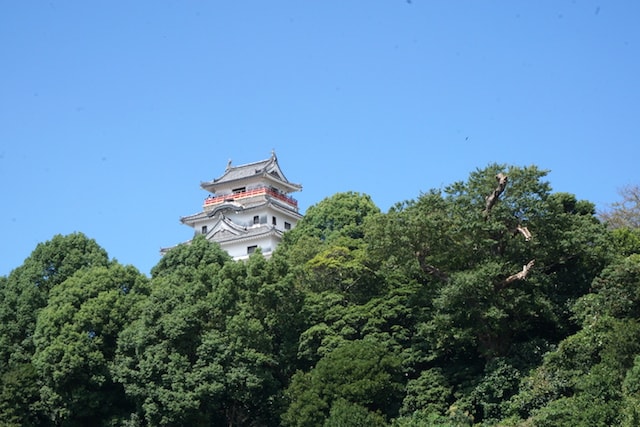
column 492, row 301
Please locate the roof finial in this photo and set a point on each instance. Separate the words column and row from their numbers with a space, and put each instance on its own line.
column 273, row 153
column 228, row 165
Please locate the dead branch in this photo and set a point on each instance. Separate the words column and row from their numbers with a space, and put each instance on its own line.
column 522, row 275
column 492, row 198
column 525, row 233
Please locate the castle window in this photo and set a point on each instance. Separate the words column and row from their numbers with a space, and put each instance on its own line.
column 287, row 226
column 273, row 220
column 256, row 219
column 251, row 249
column 239, row 190
column 204, row 229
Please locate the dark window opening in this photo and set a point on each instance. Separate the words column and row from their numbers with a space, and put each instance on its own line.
column 251, row 249
column 239, row 190
column 256, row 219
column 204, row 229
column 273, row 220
column 287, row 226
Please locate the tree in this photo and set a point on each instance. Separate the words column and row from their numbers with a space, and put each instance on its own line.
column 631, row 396
column 347, row 414
column 214, row 342
column 27, row 289
column 199, row 256
column 415, row 239
column 501, row 258
column 341, row 215
column 580, row 382
column 615, row 293
column 429, row 393
column 20, row 397
column 626, row 212
column 491, row 301
column 75, row 342
column 626, row 241
column 157, row 357
column 361, row 372
column 157, row 351
column 23, row 294
column 339, row 220
column 343, row 270
column 523, row 259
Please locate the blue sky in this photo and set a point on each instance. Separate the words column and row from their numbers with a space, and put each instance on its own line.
column 112, row 113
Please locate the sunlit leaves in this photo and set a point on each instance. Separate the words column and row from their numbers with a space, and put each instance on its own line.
column 362, row 372
column 75, row 341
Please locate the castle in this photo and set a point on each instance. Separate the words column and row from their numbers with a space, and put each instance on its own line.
column 247, row 208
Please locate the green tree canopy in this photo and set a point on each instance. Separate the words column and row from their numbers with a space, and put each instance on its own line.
column 26, row 290
column 581, row 382
column 23, row 294
column 339, row 220
column 75, row 341
column 490, row 301
column 362, row 372
column 214, row 343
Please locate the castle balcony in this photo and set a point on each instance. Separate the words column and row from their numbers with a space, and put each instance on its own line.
column 261, row 191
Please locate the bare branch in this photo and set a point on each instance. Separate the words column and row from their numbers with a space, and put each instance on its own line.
column 626, row 212
column 492, row 198
column 525, row 233
column 522, row 275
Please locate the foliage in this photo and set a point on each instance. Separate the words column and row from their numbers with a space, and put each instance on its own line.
column 631, row 396
column 626, row 241
column 27, row 289
column 341, row 215
column 362, row 372
column 75, row 340
column 199, row 256
column 464, row 257
column 490, row 301
column 347, row 414
column 615, row 292
column 429, row 393
column 19, row 397
column 209, row 341
column 343, row 270
column 580, row 382
column 336, row 222
column 23, row 294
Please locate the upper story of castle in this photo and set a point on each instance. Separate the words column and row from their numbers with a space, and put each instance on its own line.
column 251, row 183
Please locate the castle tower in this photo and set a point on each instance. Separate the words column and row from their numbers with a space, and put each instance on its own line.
column 248, row 207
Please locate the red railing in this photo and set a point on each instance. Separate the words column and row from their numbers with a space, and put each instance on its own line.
column 250, row 193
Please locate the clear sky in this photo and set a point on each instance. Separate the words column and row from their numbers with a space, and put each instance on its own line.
column 113, row 112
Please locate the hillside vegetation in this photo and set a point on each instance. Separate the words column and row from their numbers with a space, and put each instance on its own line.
column 491, row 302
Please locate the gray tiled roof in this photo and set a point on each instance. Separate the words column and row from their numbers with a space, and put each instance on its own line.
column 194, row 217
column 233, row 173
column 255, row 205
column 263, row 167
column 248, row 233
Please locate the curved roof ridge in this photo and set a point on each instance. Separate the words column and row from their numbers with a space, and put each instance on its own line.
column 233, row 225
column 265, row 162
column 234, row 172
column 267, row 169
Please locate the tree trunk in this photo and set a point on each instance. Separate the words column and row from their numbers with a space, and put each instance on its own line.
column 492, row 198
